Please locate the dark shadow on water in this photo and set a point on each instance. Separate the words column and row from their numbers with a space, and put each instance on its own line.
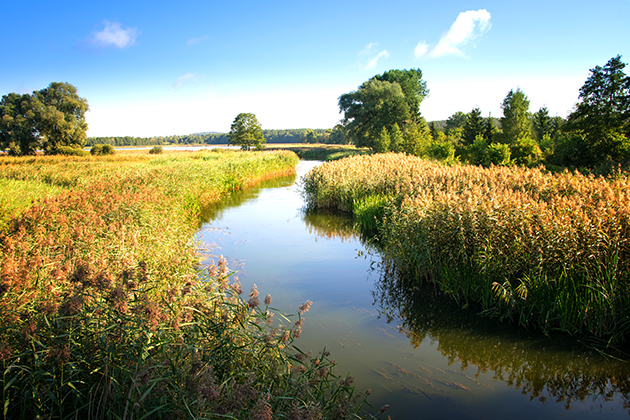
column 558, row 369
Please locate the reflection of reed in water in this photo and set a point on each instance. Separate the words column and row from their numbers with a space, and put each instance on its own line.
column 238, row 197
column 543, row 369
column 329, row 224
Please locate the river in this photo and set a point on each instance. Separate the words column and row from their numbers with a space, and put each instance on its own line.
column 417, row 353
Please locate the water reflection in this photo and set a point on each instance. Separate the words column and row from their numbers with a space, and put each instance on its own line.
column 329, row 225
column 237, row 198
column 541, row 368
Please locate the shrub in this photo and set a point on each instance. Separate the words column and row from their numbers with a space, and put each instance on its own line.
column 156, row 150
column 102, row 149
column 70, row 151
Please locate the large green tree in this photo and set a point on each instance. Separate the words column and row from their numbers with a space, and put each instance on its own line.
column 382, row 101
column 602, row 115
column 372, row 107
column 246, row 132
column 48, row 119
column 62, row 116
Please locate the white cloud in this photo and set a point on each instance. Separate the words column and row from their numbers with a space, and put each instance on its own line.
column 113, row 35
column 467, row 28
column 195, row 41
column 369, row 53
column 183, row 80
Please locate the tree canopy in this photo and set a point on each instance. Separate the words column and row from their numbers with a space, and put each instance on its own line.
column 382, row 101
column 246, row 132
column 602, row 115
column 48, row 119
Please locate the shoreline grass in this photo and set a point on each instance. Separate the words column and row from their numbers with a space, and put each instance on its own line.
column 549, row 251
column 105, row 312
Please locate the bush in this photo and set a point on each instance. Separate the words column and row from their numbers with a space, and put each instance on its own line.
column 102, row 149
column 156, row 150
column 70, row 151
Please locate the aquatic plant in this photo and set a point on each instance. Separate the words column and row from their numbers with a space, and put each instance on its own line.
column 546, row 250
column 105, row 312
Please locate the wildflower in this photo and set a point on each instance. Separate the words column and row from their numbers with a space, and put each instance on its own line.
column 384, row 409
column 253, row 297
column 268, row 300
column 305, row 306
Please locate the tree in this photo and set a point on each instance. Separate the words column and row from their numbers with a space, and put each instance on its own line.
column 61, row 117
column 18, row 128
column 382, row 142
column 602, row 114
column 309, row 136
column 542, row 123
column 50, row 118
column 515, row 122
column 384, row 100
column 246, row 132
column 413, row 87
column 457, row 120
column 376, row 104
column 473, row 127
column 397, row 140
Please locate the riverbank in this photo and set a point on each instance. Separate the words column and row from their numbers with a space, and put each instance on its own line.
column 546, row 251
column 105, row 311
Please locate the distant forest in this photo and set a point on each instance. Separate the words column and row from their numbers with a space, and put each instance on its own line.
column 297, row 135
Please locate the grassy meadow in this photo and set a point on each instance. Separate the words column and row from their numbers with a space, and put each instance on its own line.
column 106, row 313
column 549, row 251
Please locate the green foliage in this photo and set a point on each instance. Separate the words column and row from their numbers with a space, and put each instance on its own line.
column 102, row 149
column 70, row 151
column 413, row 87
column 48, row 119
column 602, row 114
column 246, row 132
column 397, row 140
column 309, row 137
column 515, row 123
column 526, row 152
column 382, row 142
column 474, row 126
column 156, row 150
column 457, row 120
column 384, row 100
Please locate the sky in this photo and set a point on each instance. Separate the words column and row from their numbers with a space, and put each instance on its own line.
column 153, row 68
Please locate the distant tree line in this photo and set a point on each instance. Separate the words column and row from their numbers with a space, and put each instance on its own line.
column 297, row 135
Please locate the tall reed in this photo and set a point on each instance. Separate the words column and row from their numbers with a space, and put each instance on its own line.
column 548, row 250
column 105, row 312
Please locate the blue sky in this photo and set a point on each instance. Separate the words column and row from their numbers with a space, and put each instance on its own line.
column 163, row 68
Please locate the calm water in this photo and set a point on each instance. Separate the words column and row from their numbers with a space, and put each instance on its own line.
column 415, row 351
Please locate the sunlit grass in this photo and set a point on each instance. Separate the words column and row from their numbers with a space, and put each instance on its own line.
column 106, row 313
column 547, row 250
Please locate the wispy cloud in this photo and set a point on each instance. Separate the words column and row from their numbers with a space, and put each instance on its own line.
column 184, row 80
column 195, row 41
column 467, row 28
column 114, row 35
column 370, row 56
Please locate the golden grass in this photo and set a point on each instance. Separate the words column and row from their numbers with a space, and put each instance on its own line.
column 549, row 249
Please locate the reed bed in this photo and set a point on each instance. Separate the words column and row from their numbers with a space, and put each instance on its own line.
column 550, row 251
column 105, row 312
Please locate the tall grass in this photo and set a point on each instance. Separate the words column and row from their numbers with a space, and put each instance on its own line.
column 550, row 251
column 105, row 312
